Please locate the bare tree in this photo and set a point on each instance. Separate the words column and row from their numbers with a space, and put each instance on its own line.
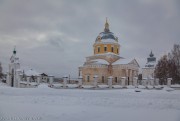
column 175, row 58
column 169, row 66
column 1, row 74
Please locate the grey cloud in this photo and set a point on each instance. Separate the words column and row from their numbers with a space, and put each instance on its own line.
column 56, row 36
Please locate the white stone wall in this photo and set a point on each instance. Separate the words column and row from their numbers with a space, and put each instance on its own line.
column 146, row 72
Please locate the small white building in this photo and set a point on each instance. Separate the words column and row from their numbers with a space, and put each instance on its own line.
column 13, row 73
column 16, row 77
column 44, row 78
column 148, row 70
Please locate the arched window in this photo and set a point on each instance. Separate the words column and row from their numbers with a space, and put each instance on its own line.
column 88, row 78
column 116, row 79
column 112, row 49
column 105, row 49
column 102, row 79
column 98, row 49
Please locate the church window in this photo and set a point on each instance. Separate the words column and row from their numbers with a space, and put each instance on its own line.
column 112, row 49
column 88, row 78
column 116, row 79
column 117, row 50
column 98, row 49
column 105, row 49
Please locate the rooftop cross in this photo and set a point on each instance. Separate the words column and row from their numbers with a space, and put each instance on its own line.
column 106, row 29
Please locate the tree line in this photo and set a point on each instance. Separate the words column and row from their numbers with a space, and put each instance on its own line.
column 169, row 66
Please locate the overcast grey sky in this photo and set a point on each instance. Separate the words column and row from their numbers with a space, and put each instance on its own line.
column 55, row 36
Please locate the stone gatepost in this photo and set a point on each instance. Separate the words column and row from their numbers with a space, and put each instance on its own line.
column 145, row 82
column 80, row 82
column 157, row 81
column 65, row 81
column 152, row 82
column 110, row 81
column 38, row 79
column 169, row 80
column 28, row 81
column 51, row 80
column 123, row 81
column 135, row 80
column 95, row 81
column 148, row 81
column 19, row 80
column 7, row 78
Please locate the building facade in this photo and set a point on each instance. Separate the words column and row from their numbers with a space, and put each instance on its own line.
column 148, row 70
column 16, row 77
column 13, row 73
column 107, row 62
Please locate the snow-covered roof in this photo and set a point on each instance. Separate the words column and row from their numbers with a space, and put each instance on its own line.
column 108, row 41
column 108, row 53
column 31, row 72
column 122, row 61
column 151, row 64
column 109, row 57
column 126, row 61
column 107, row 37
column 99, row 61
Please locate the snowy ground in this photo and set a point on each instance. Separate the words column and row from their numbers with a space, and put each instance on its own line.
column 49, row 104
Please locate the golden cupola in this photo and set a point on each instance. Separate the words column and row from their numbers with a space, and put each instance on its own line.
column 106, row 42
column 106, row 46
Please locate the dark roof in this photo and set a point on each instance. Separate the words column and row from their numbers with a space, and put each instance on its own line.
column 43, row 74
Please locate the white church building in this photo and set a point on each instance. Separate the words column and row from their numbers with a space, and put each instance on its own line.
column 16, row 77
column 148, row 70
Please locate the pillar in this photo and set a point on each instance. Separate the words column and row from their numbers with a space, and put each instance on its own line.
column 169, row 82
column 152, row 81
column 95, row 81
column 156, row 81
column 38, row 79
column 145, row 82
column 80, row 82
column 126, row 72
column 19, row 80
column 28, row 81
column 123, row 81
column 135, row 79
column 65, row 81
column 130, row 77
column 8, row 79
column 110, row 81
column 51, row 80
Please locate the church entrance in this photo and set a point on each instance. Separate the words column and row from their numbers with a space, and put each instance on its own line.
column 116, row 80
column 102, row 79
